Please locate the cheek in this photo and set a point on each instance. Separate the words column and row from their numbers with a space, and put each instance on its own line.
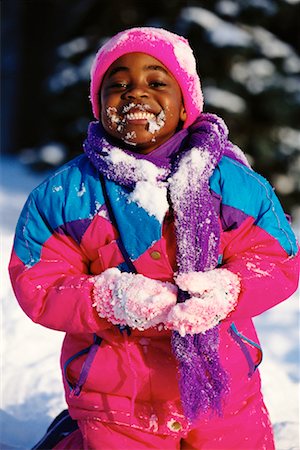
column 174, row 112
column 173, row 104
column 104, row 104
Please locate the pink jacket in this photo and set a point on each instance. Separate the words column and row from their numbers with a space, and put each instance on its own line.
column 63, row 238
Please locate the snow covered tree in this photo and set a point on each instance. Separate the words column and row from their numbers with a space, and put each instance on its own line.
column 248, row 60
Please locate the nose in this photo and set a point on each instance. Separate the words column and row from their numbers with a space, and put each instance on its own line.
column 135, row 91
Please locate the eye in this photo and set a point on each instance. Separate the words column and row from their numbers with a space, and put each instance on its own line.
column 157, row 84
column 118, row 85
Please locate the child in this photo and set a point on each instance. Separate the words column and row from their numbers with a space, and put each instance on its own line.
column 153, row 251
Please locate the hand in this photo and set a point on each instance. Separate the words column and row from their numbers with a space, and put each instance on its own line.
column 214, row 295
column 132, row 299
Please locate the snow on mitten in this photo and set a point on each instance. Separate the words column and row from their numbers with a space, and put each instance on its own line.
column 133, row 299
column 214, row 295
column 213, row 281
column 143, row 302
column 103, row 295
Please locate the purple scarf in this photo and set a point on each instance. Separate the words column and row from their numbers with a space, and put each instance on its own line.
column 203, row 381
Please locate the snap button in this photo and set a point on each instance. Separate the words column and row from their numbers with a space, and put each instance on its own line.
column 174, row 425
column 155, row 254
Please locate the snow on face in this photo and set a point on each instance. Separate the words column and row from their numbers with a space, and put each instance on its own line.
column 129, row 137
column 156, row 123
column 112, row 115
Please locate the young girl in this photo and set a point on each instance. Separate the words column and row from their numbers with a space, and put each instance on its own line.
column 153, row 251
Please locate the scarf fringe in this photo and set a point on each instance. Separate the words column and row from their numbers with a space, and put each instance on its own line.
column 203, row 382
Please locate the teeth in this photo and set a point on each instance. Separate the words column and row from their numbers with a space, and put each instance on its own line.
column 141, row 115
column 141, row 107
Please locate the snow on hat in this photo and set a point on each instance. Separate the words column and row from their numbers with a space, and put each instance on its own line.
column 169, row 48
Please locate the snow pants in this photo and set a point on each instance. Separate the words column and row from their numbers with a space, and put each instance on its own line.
column 244, row 430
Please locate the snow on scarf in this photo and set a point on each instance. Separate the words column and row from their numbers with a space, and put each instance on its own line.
column 185, row 174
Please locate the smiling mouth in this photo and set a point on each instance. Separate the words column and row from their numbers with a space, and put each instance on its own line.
column 139, row 115
column 136, row 114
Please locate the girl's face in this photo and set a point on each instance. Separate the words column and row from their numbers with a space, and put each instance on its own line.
column 141, row 102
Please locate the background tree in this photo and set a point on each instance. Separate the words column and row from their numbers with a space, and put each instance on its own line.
column 248, row 59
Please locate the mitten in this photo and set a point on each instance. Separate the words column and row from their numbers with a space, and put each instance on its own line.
column 214, row 295
column 132, row 299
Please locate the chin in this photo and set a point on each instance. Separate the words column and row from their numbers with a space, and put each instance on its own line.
column 140, row 145
column 138, row 148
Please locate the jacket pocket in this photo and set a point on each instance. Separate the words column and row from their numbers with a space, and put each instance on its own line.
column 245, row 345
column 109, row 256
column 90, row 353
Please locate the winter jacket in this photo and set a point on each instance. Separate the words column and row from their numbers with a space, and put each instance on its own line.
column 64, row 236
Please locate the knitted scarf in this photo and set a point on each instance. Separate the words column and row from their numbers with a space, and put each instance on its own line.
column 192, row 156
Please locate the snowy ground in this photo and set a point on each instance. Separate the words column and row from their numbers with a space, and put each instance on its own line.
column 31, row 391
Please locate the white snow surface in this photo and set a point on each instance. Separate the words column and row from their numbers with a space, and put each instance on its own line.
column 31, row 391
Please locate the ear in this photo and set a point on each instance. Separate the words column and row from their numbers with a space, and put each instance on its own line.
column 183, row 114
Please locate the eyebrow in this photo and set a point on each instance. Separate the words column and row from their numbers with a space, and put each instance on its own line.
column 126, row 69
column 159, row 68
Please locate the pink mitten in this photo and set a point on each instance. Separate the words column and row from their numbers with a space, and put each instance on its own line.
column 214, row 295
column 133, row 299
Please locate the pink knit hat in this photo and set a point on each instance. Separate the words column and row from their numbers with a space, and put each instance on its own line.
column 169, row 48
